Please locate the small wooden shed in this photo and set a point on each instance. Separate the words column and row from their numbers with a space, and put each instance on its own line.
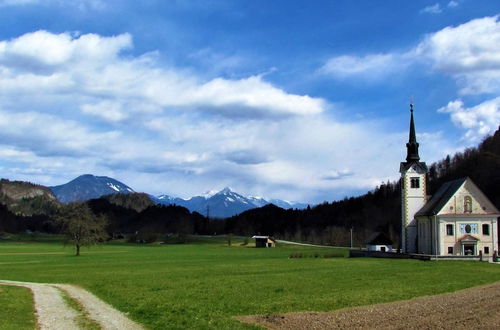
column 379, row 241
column 264, row 241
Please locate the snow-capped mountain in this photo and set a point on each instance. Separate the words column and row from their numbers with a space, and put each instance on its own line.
column 224, row 203
column 89, row 186
column 217, row 204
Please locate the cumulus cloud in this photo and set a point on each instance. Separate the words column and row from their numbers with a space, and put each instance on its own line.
column 75, row 104
column 470, row 52
column 96, row 107
column 453, row 4
column 92, row 65
column 432, row 9
column 478, row 121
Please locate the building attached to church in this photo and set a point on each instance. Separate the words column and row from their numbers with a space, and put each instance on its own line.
column 457, row 220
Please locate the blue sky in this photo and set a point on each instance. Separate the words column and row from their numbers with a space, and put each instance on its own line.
column 299, row 100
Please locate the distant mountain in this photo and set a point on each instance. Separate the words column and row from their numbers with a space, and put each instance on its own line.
column 87, row 187
column 224, row 203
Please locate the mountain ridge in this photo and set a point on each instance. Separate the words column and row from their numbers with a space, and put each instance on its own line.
column 224, row 203
column 216, row 204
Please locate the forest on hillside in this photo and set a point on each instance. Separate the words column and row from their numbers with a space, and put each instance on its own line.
column 135, row 216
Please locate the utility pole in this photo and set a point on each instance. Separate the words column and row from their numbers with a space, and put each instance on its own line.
column 351, row 237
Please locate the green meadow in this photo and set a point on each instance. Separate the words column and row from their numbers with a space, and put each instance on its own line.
column 204, row 283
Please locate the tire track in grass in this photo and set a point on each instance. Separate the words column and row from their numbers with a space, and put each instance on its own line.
column 53, row 312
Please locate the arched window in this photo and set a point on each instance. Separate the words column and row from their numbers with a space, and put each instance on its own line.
column 467, row 204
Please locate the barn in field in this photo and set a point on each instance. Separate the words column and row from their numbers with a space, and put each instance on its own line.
column 264, row 241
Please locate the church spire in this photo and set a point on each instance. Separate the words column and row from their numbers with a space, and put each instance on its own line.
column 412, row 145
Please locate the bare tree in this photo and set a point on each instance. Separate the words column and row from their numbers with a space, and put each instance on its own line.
column 81, row 226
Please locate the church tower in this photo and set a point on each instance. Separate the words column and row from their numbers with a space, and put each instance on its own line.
column 413, row 192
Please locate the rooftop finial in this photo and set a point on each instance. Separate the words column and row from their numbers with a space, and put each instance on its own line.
column 411, row 107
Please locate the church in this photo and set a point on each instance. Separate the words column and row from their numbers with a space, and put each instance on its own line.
column 458, row 220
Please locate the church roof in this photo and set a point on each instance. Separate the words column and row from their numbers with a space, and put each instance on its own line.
column 379, row 238
column 405, row 166
column 439, row 199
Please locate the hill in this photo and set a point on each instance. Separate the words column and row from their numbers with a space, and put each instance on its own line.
column 25, row 198
column 135, row 201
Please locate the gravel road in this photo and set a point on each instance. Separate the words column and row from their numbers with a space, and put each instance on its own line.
column 474, row 308
column 53, row 313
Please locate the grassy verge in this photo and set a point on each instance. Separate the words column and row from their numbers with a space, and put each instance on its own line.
column 16, row 308
column 202, row 285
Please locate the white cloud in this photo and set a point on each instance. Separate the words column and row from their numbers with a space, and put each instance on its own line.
column 453, row 4
column 48, row 51
column 470, row 52
column 75, row 104
column 108, row 110
column 432, row 9
column 78, row 4
column 478, row 121
column 92, row 65
column 369, row 67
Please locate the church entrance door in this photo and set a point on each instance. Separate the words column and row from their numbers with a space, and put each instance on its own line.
column 469, row 250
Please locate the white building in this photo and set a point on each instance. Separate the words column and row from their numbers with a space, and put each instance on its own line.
column 457, row 220
column 379, row 242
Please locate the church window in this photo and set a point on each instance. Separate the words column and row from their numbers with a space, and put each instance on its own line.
column 467, row 204
column 486, row 229
column 468, row 228
column 450, row 249
column 486, row 250
column 415, row 182
column 449, row 229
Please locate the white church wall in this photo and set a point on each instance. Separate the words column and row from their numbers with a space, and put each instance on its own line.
column 476, row 223
column 479, row 203
column 414, row 199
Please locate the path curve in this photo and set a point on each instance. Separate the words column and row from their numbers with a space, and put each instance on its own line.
column 53, row 313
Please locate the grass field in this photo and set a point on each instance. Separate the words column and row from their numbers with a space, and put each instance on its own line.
column 203, row 284
column 16, row 311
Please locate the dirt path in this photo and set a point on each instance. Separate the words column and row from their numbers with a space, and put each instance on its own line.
column 474, row 308
column 53, row 312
